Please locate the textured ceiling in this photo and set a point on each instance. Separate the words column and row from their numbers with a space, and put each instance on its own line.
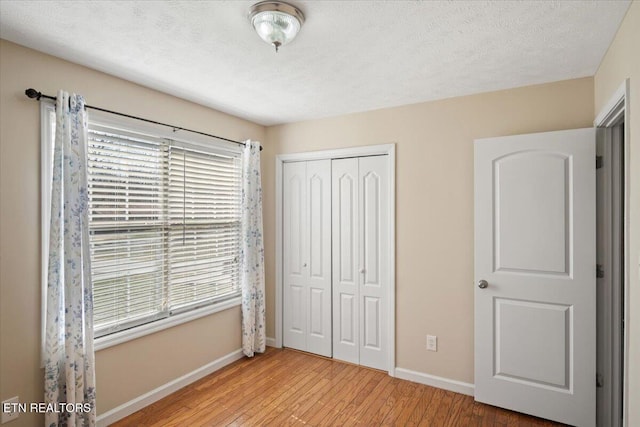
column 350, row 56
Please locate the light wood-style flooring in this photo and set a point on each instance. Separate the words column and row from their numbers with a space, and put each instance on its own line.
column 287, row 387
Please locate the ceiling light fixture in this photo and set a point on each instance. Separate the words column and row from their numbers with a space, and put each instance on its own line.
column 276, row 23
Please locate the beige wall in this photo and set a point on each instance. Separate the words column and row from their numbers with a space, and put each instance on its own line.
column 434, row 211
column 623, row 61
column 130, row 369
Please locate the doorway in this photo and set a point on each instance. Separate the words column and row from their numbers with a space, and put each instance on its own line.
column 607, row 386
column 612, row 276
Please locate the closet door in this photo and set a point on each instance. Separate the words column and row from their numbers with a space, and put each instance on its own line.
column 360, row 213
column 373, row 223
column 294, row 249
column 346, row 280
column 318, row 269
column 307, row 256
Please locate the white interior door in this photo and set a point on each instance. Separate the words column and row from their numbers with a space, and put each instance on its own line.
column 360, row 269
column 307, row 256
column 535, row 273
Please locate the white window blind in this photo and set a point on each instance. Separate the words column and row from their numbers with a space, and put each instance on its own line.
column 204, row 227
column 164, row 227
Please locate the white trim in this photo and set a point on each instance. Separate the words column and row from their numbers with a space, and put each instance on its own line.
column 159, row 325
column 391, row 295
column 164, row 390
column 279, row 246
column 271, row 342
column 616, row 108
column 435, row 381
column 340, row 153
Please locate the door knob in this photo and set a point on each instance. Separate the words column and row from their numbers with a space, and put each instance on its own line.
column 304, row 265
column 362, row 270
column 482, row 284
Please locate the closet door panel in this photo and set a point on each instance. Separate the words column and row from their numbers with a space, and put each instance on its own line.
column 370, row 228
column 372, row 331
column 346, row 336
column 345, row 220
column 318, row 186
column 348, row 333
column 297, row 316
column 374, row 225
column 294, row 246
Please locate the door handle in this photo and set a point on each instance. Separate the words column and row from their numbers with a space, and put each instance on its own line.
column 482, row 284
column 362, row 270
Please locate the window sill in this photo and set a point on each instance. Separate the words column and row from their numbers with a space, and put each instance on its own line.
column 159, row 325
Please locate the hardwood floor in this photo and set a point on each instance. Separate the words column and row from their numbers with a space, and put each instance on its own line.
column 286, row 387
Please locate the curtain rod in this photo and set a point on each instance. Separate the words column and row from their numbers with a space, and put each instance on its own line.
column 34, row 94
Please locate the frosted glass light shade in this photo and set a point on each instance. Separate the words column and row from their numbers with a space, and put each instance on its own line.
column 276, row 23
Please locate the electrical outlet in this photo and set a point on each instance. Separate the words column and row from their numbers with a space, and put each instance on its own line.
column 10, row 409
column 432, row 343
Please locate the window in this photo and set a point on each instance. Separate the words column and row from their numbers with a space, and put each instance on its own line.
column 164, row 222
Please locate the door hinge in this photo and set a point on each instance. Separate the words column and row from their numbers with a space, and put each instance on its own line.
column 599, row 271
column 599, row 380
column 599, row 162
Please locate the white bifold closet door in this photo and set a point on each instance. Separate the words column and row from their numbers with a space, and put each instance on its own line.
column 307, row 256
column 360, row 226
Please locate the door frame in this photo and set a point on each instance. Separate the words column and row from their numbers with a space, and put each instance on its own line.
column 616, row 109
column 340, row 153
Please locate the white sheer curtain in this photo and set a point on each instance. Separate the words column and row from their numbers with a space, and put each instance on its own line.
column 252, row 253
column 69, row 356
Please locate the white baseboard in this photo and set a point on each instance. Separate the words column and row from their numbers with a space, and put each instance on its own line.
column 434, row 381
column 271, row 342
column 164, row 390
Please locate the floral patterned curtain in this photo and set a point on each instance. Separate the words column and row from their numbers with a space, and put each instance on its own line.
column 69, row 356
column 252, row 253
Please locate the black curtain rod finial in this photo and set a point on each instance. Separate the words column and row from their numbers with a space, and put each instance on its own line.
column 32, row 93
